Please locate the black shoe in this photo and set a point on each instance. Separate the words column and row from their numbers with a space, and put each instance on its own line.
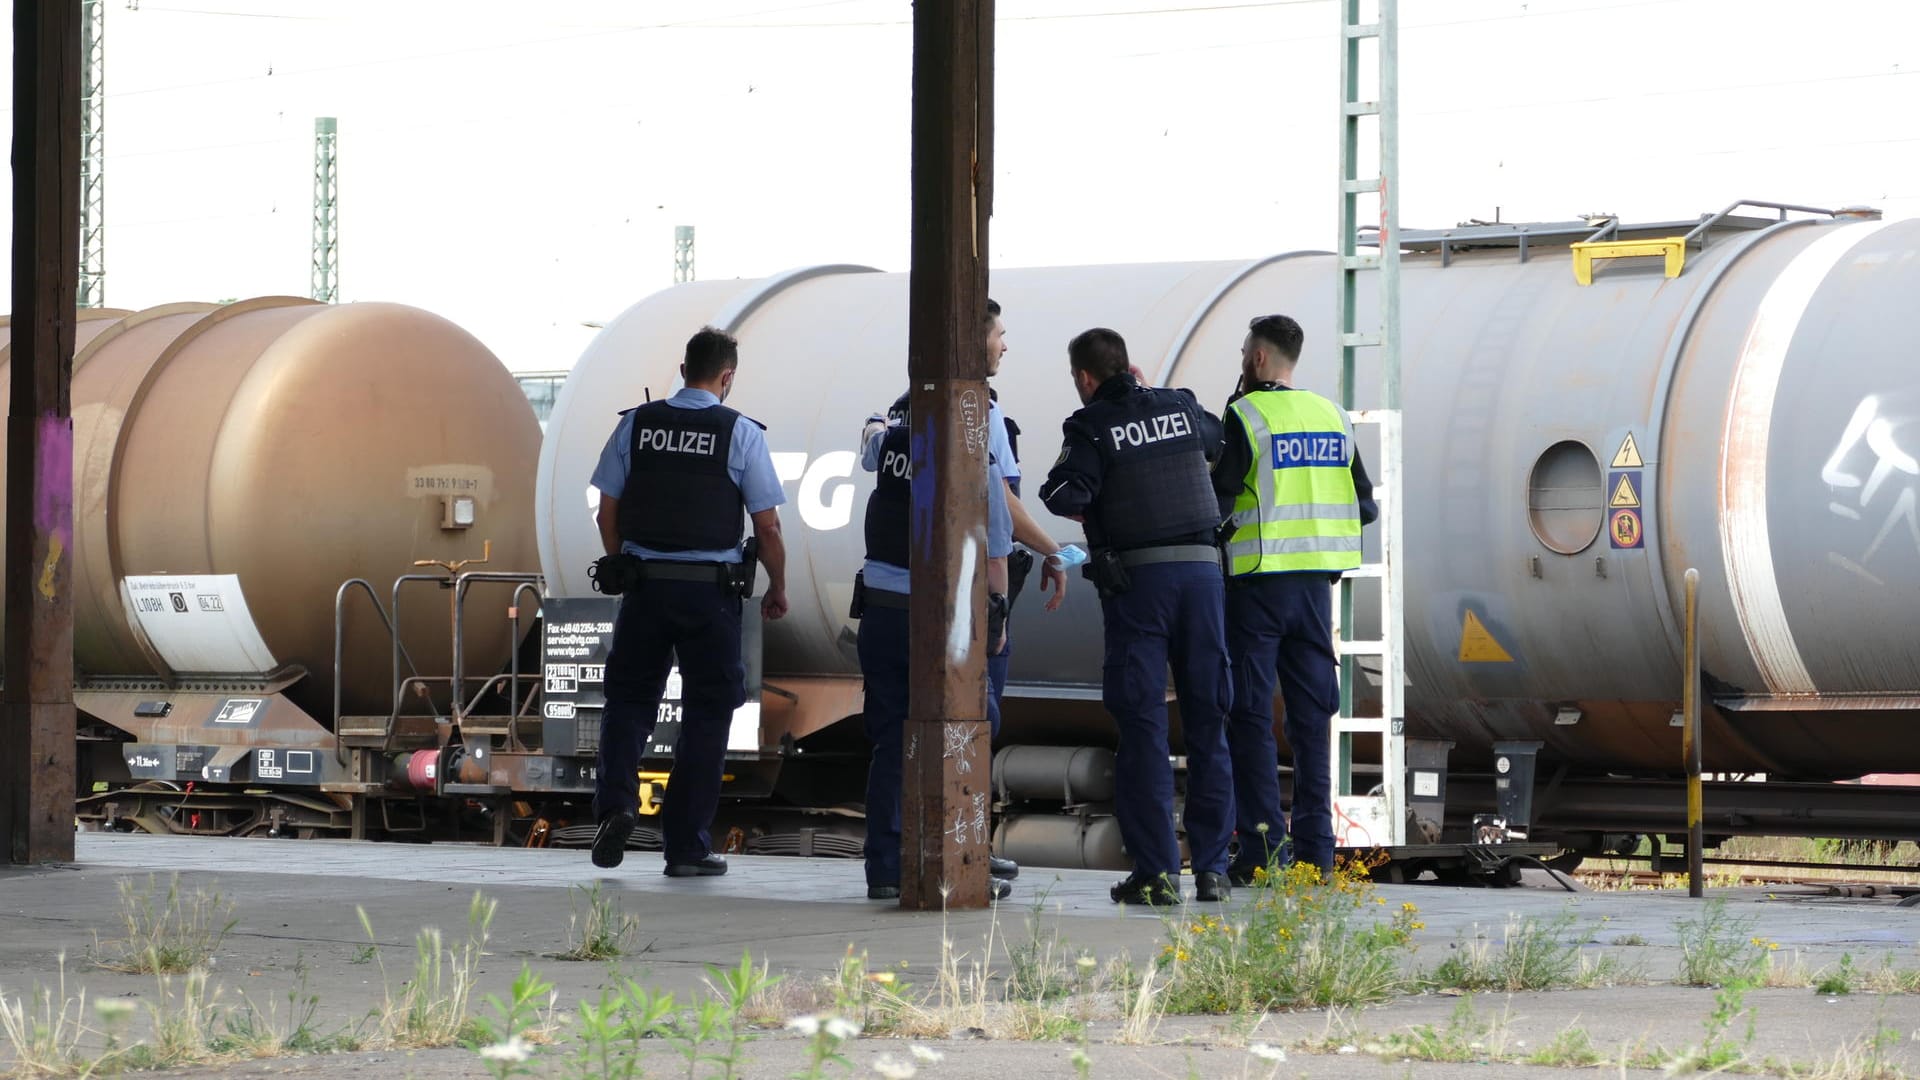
column 883, row 892
column 610, row 842
column 999, row 888
column 1002, row 868
column 1241, row 875
column 1151, row 889
column 708, row 865
column 1211, row 887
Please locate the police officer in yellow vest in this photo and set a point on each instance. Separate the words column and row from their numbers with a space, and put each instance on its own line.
column 1295, row 496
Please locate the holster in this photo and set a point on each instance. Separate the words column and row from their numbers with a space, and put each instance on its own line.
column 747, row 568
column 858, row 609
column 998, row 608
column 1019, row 565
column 1108, row 574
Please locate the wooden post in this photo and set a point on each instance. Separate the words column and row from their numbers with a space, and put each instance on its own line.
column 947, row 753
column 37, row 738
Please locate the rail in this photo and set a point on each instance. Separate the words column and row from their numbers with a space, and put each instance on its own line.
column 1701, row 231
column 398, row 650
column 339, row 650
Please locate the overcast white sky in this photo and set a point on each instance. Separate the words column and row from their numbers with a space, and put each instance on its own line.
column 519, row 167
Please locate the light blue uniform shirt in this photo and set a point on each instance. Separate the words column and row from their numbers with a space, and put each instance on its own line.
column 749, row 464
column 885, row 575
column 999, row 443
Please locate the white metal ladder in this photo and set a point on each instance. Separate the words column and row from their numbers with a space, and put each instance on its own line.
column 1362, row 819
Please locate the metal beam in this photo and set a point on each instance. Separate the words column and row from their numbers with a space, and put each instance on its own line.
column 37, row 739
column 93, row 154
column 326, row 220
column 682, row 254
column 946, row 803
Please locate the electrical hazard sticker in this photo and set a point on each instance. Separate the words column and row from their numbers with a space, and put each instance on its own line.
column 1626, row 491
column 1628, row 456
column 1478, row 645
column 1623, row 530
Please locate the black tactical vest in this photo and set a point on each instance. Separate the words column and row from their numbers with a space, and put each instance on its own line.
column 888, row 523
column 1155, row 488
column 679, row 495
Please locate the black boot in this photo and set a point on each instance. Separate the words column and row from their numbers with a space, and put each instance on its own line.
column 1143, row 888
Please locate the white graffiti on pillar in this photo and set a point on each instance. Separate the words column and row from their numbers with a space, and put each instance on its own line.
column 1873, row 474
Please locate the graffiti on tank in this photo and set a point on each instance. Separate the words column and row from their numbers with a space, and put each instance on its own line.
column 1873, row 477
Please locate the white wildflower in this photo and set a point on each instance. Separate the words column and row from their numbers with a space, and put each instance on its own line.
column 805, row 1025
column 514, row 1049
column 894, row 1070
column 842, row 1028
column 1267, row 1053
column 1087, row 963
column 1348, row 1050
column 927, row 1055
column 111, row 1009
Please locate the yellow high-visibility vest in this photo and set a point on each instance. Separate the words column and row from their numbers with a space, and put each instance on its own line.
column 1298, row 509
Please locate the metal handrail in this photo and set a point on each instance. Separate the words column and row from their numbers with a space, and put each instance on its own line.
column 460, row 585
column 339, row 650
column 534, row 584
column 1701, row 230
column 398, row 651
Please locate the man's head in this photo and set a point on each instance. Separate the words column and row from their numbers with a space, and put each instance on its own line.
column 1095, row 356
column 1271, row 349
column 712, row 357
column 996, row 338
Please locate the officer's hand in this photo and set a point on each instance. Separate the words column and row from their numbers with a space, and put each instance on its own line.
column 1053, row 578
column 774, row 604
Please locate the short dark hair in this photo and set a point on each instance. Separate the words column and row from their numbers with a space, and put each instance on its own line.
column 1280, row 332
column 710, row 353
column 1099, row 352
column 993, row 309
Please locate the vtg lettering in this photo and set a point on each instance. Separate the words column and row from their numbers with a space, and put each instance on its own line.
column 1153, row 429
column 666, row 440
column 1310, row 449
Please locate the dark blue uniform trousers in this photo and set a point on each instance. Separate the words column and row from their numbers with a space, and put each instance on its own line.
column 883, row 666
column 1172, row 611
column 700, row 623
column 1281, row 625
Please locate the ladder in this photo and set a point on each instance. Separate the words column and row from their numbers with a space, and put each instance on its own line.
column 1369, row 818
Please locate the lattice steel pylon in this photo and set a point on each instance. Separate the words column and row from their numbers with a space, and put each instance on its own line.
column 1372, row 819
column 682, row 254
column 326, row 211
column 92, row 292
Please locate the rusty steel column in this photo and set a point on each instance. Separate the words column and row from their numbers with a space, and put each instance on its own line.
column 37, row 739
column 945, row 805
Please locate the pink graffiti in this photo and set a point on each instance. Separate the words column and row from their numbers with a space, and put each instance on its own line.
column 53, row 496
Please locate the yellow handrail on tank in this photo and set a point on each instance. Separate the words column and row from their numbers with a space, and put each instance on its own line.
column 1673, row 247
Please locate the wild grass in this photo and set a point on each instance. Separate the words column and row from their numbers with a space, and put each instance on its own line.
column 169, row 933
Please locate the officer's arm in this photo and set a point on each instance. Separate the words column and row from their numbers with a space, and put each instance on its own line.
column 1211, row 431
column 871, row 437
column 1074, row 481
column 1235, row 461
column 773, row 556
column 1363, row 487
column 609, row 522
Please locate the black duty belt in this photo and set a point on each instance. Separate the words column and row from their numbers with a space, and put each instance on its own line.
column 886, row 598
column 1199, row 553
column 667, row 570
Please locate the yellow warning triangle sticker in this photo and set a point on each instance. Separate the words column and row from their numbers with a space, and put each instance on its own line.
column 1477, row 645
column 1628, row 456
column 1623, row 494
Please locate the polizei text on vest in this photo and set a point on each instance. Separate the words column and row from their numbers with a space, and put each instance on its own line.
column 669, row 441
column 1153, row 429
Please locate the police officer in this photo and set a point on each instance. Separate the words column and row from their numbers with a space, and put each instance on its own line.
column 880, row 603
column 677, row 479
column 1134, row 467
column 1291, row 481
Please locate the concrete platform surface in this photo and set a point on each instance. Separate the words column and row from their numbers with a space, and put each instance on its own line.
column 295, row 902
